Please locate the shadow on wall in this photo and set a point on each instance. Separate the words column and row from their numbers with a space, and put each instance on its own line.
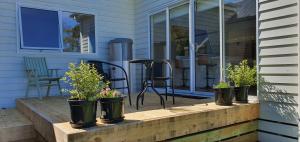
column 278, row 101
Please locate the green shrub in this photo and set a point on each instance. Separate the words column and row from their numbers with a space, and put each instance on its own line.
column 107, row 93
column 222, row 85
column 85, row 82
column 242, row 74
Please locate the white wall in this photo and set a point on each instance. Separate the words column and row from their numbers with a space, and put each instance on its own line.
column 115, row 18
column 278, row 66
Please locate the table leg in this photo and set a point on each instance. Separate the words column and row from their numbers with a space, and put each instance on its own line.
column 139, row 95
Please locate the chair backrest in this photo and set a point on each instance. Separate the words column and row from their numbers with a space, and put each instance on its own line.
column 160, row 67
column 100, row 69
column 37, row 64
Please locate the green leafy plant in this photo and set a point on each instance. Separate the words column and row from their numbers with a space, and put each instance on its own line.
column 85, row 82
column 108, row 93
column 242, row 74
column 222, row 84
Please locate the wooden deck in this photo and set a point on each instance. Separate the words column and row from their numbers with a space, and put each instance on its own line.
column 51, row 116
column 15, row 127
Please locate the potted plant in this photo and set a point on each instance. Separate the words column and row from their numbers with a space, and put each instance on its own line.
column 86, row 84
column 112, row 106
column 243, row 76
column 223, row 94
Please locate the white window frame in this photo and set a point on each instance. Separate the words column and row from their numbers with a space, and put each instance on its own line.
column 21, row 31
column 22, row 49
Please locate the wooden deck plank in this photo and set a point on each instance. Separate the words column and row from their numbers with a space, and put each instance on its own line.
column 251, row 137
column 225, row 133
column 14, row 126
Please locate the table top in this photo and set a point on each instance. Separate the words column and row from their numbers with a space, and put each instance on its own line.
column 142, row 61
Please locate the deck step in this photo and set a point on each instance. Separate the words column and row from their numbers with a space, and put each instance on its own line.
column 15, row 127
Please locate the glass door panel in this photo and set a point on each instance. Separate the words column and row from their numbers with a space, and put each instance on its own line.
column 240, row 31
column 207, row 44
column 179, row 50
column 158, row 43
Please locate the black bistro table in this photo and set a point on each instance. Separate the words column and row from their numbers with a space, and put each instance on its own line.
column 146, row 64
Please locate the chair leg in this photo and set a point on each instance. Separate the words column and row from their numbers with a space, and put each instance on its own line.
column 38, row 87
column 48, row 88
column 59, row 88
column 128, row 91
column 166, row 89
column 143, row 95
column 161, row 98
column 27, row 90
column 173, row 93
column 138, row 97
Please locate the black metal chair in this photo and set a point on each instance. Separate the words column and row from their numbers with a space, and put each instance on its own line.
column 99, row 65
column 158, row 75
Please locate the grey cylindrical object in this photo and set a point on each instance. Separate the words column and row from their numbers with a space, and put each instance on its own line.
column 120, row 49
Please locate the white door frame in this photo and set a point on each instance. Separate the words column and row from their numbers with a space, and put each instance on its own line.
column 192, row 6
column 192, row 45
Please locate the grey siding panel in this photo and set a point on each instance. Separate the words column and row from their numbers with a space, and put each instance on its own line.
column 278, row 68
column 286, row 130
column 282, row 41
column 267, row 137
column 279, row 112
column 114, row 19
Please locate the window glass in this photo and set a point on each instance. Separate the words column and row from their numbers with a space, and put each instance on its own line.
column 40, row 28
column 78, row 32
column 180, row 54
column 158, row 35
column 158, row 44
column 240, row 31
column 207, row 44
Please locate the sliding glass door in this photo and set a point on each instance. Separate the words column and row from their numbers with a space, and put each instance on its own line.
column 179, row 46
column 201, row 38
column 207, row 44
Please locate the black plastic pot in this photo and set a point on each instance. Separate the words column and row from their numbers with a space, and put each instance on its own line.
column 224, row 96
column 241, row 94
column 112, row 110
column 83, row 113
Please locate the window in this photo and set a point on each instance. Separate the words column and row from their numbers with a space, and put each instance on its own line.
column 57, row 30
column 40, row 28
column 78, row 32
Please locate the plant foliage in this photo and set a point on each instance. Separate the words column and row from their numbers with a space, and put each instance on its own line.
column 85, row 82
column 108, row 93
column 242, row 74
column 222, row 85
